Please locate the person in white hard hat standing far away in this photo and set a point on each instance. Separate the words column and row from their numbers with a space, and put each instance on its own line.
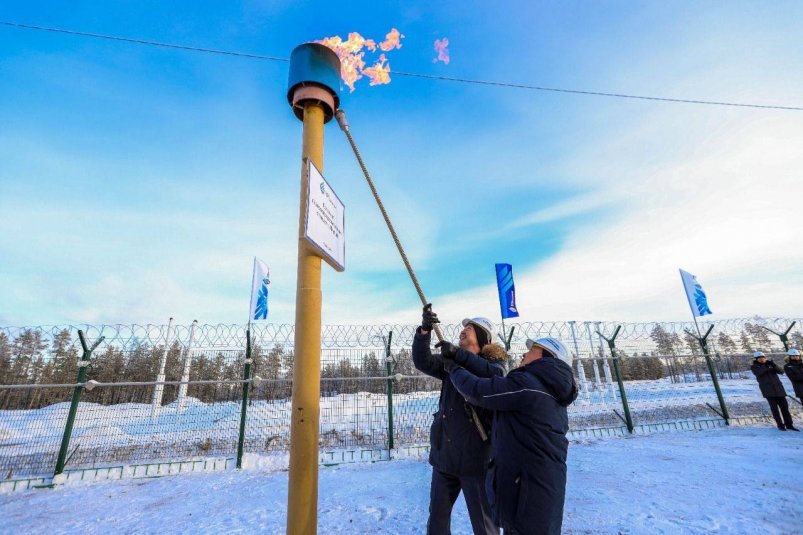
column 526, row 483
column 794, row 370
column 772, row 389
column 459, row 437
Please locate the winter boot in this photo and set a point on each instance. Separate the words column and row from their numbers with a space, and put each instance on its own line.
column 781, row 428
column 792, row 428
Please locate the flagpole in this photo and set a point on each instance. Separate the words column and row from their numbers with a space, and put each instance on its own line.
column 691, row 309
column 251, row 303
column 697, row 325
column 704, row 346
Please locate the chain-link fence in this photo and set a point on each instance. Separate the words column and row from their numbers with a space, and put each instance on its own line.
column 155, row 394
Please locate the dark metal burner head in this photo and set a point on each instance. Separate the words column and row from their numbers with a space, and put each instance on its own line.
column 314, row 76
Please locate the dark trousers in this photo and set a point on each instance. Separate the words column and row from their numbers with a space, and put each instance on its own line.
column 780, row 402
column 442, row 494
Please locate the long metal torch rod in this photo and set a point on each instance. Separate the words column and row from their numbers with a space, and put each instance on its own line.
column 344, row 126
column 340, row 115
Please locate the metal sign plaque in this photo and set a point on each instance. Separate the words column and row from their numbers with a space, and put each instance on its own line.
column 325, row 226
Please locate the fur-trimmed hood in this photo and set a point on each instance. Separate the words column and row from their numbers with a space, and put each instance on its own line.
column 493, row 353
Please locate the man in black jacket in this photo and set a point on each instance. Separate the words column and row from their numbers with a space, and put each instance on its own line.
column 527, row 480
column 459, row 452
column 766, row 373
column 794, row 370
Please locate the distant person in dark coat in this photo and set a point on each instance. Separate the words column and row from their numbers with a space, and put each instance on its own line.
column 766, row 373
column 794, row 370
column 527, row 480
column 459, row 450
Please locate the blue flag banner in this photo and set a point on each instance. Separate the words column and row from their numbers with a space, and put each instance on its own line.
column 259, row 291
column 507, row 291
column 698, row 301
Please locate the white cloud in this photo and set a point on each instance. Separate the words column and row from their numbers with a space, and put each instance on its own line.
column 724, row 210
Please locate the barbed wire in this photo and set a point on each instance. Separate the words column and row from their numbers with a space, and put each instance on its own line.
column 580, row 336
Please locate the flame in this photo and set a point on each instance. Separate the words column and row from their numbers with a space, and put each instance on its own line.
column 442, row 48
column 352, row 56
column 379, row 74
column 392, row 40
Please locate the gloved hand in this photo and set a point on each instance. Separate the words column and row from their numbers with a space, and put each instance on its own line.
column 448, row 350
column 428, row 318
column 448, row 354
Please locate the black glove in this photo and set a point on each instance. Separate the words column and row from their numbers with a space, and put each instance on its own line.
column 428, row 318
column 448, row 353
column 448, row 350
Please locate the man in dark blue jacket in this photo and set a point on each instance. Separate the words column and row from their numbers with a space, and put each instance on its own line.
column 459, row 444
column 772, row 389
column 526, row 484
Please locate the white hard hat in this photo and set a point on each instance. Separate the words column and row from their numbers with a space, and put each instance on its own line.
column 554, row 346
column 793, row 353
column 483, row 323
column 758, row 355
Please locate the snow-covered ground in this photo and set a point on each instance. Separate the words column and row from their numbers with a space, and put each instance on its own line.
column 732, row 480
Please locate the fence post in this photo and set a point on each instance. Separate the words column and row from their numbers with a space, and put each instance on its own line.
column 617, row 370
column 597, row 379
column 185, row 375
column 580, row 369
column 246, row 386
column 389, row 369
column 784, row 336
column 160, row 377
column 605, row 366
column 704, row 346
column 76, row 398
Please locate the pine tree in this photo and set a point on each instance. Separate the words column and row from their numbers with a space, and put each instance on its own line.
column 664, row 341
column 141, row 365
column 725, row 344
column 5, row 359
column 26, row 350
column 371, row 368
column 5, row 369
column 692, row 343
column 760, row 336
column 746, row 343
column 107, row 367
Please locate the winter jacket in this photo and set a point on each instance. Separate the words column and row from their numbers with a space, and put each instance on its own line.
column 455, row 444
column 527, row 481
column 768, row 381
column 794, row 370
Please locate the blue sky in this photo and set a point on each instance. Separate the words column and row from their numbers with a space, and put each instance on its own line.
column 137, row 183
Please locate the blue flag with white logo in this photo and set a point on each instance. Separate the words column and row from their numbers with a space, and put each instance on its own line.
column 698, row 301
column 259, row 291
column 507, row 291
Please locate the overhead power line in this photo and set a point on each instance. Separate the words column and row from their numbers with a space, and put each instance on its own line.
column 144, row 42
column 595, row 93
column 410, row 74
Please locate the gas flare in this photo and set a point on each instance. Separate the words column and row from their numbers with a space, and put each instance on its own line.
column 392, row 40
column 442, row 48
column 352, row 56
column 378, row 74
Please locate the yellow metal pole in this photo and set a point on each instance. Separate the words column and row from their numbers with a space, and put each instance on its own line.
column 302, row 499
